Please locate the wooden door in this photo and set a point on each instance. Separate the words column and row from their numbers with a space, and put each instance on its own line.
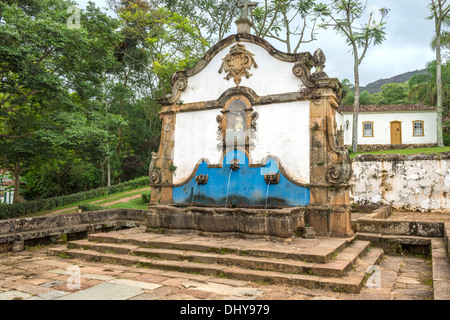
column 396, row 132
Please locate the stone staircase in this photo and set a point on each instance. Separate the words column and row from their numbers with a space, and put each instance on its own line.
column 323, row 263
column 440, row 253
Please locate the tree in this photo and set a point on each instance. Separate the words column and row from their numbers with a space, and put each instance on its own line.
column 51, row 78
column 440, row 10
column 212, row 19
column 392, row 93
column 365, row 99
column 343, row 16
column 291, row 22
column 445, row 38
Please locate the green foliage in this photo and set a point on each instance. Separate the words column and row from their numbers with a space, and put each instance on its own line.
column 422, row 88
column 90, row 207
column 365, row 99
column 18, row 209
column 392, row 93
column 446, row 133
column 212, row 18
column 406, row 151
column 146, row 197
column 289, row 22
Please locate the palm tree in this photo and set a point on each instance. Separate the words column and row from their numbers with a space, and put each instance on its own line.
column 423, row 89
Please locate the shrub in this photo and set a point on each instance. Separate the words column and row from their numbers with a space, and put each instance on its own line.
column 90, row 207
column 146, row 197
column 19, row 209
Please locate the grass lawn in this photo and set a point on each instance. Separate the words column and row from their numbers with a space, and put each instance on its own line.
column 98, row 201
column 405, row 151
column 132, row 204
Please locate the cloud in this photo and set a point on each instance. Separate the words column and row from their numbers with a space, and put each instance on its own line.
column 406, row 48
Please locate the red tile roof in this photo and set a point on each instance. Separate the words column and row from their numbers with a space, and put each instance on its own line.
column 388, row 108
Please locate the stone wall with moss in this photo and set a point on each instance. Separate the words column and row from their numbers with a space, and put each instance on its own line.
column 414, row 182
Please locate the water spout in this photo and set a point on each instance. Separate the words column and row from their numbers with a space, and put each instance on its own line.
column 228, row 186
column 193, row 194
column 267, row 195
column 235, row 165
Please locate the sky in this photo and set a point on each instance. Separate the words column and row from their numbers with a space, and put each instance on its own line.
column 406, row 48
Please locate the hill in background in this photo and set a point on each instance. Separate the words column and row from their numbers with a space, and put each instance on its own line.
column 376, row 86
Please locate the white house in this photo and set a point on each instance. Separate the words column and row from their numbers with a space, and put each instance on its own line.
column 389, row 126
column 6, row 189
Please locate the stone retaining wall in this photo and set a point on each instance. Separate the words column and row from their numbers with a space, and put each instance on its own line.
column 447, row 238
column 14, row 233
column 416, row 183
column 377, row 147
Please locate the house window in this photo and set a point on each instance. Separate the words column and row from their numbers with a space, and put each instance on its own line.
column 368, row 129
column 418, row 128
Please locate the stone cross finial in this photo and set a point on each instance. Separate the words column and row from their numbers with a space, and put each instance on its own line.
column 245, row 4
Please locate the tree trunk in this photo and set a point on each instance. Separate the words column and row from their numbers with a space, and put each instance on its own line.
column 16, row 173
column 356, row 109
column 439, row 105
column 108, row 168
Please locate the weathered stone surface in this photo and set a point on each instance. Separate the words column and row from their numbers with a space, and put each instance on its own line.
column 441, row 290
column 14, row 232
column 236, row 222
column 399, row 227
column 171, row 281
column 416, row 183
column 108, row 291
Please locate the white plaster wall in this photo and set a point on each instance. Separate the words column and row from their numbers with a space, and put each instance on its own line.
column 419, row 185
column 271, row 77
column 382, row 128
column 283, row 132
column 195, row 139
column 340, row 121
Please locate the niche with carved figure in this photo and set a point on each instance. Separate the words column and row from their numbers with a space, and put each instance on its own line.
column 237, row 125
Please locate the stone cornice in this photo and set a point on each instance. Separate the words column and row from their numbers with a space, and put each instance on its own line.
column 303, row 63
column 305, row 95
column 390, row 112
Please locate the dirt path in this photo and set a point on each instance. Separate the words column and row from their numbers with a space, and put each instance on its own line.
column 103, row 204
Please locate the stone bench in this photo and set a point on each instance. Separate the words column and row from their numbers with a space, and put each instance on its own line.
column 15, row 233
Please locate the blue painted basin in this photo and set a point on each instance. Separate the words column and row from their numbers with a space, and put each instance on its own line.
column 245, row 186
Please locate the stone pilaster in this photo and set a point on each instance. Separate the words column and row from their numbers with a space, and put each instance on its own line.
column 162, row 167
column 329, row 209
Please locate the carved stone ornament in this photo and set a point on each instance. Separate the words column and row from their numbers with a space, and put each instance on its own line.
column 155, row 176
column 238, row 63
column 272, row 178
column 339, row 174
column 253, row 125
column 302, row 69
column 154, row 172
column 179, row 85
column 202, row 179
column 319, row 64
column 235, row 165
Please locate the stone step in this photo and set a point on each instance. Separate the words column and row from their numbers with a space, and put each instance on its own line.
column 320, row 250
column 441, row 270
column 338, row 266
column 379, row 237
column 351, row 283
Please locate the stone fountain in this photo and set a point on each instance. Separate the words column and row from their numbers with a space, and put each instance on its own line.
column 249, row 146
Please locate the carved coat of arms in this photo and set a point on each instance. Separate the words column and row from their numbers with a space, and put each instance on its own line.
column 238, row 63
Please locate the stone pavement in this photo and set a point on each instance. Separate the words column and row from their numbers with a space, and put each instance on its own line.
column 32, row 275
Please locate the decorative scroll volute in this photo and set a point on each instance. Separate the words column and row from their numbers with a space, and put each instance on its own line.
column 341, row 172
column 302, row 69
